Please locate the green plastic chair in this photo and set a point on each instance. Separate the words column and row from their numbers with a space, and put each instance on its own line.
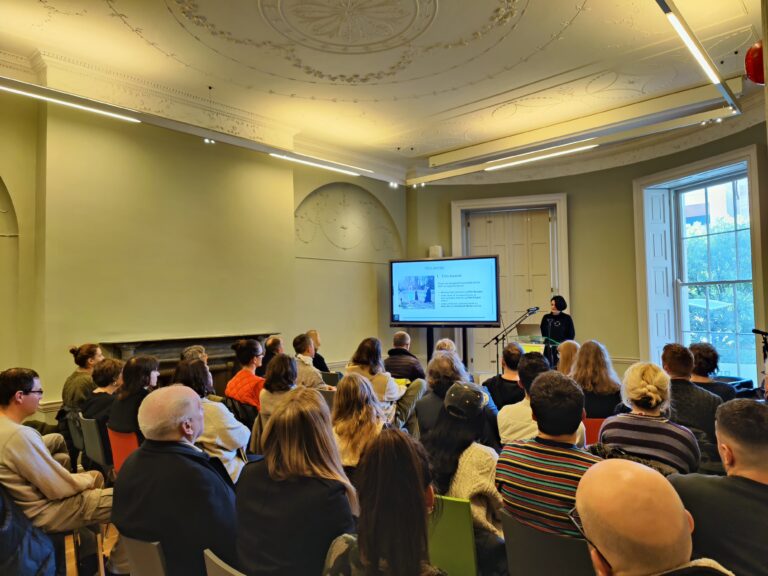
column 452, row 537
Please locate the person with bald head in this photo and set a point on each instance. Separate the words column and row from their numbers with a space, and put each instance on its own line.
column 171, row 491
column 635, row 523
column 731, row 512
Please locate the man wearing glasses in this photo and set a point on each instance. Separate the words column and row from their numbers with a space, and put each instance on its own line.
column 53, row 498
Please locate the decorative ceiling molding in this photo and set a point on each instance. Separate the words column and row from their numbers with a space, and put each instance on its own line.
column 17, row 66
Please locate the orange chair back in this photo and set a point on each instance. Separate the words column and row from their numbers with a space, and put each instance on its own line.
column 123, row 443
column 593, row 426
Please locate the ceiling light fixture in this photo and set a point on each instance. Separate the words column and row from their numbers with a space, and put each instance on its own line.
column 68, row 104
column 542, row 157
column 209, row 141
column 695, row 48
column 340, row 164
column 315, row 164
column 540, row 150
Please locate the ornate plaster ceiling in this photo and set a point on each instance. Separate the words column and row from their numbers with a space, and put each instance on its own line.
column 388, row 82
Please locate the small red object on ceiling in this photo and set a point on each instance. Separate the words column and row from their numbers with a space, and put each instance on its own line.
column 753, row 63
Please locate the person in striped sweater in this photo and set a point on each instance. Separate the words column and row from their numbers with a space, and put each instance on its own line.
column 538, row 477
column 645, row 432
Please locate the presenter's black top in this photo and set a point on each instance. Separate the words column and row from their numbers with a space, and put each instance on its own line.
column 558, row 327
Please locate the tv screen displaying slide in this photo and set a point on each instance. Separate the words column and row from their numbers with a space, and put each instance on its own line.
column 445, row 292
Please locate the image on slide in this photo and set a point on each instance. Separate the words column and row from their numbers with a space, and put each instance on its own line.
column 417, row 292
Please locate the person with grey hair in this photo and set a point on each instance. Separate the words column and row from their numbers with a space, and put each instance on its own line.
column 170, row 491
column 400, row 362
column 194, row 352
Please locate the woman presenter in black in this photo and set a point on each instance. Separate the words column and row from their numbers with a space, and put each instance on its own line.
column 556, row 327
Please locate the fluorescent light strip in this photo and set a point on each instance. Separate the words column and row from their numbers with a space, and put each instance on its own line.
column 540, row 150
column 316, row 165
column 339, row 164
column 70, row 104
column 552, row 155
column 693, row 48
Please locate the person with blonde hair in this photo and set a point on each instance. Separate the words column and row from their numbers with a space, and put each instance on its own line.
column 445, row 345
column 645, row 432
column 357, row 418
column 594, row 373
column 566, row 356
column 295, row 500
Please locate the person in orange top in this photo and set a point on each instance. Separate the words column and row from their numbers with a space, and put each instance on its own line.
column 245, row 386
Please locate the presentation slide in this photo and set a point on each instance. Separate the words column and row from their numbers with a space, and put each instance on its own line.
column 452, row 291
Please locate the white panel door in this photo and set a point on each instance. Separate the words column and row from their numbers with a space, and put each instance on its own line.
column 658, row 248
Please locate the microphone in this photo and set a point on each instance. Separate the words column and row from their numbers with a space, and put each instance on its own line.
column 533, row 310
column 759, row 332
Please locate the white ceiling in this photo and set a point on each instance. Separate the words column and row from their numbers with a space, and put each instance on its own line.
column 387, row 82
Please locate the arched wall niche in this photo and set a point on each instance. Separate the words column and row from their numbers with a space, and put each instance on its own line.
column 9, row 277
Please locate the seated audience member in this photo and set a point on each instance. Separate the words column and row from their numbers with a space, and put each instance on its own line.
column 731, row 512
column 594, row 373
column 222, row 436
column 400, row 362
column 357, row 419
column 308, row 376
column 705, row 365
column 54, row 499
column 77, row 389
column 566, row 356
column 645, row 432
column 395, row 498
column 171, row 492
column 464, row 468
column 443, row 371
column 139, row 379
column 445, row 345
column 537, row 478
column 107, row 375
column 398, row 401
column 692, row 406
column 245, row 386
column 635, row 524
column 505, row 388
column 281, row 379
column 516, row 420
column 297, row 499
column 194, row 352
column 272, row 347
column 317, row 360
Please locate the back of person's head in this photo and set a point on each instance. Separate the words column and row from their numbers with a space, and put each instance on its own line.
column 273, row 345
column 137, row 375
column 246, row 350
column 559, row 303
column 634, row 519
column 194, row 374
column 645, row 386
column 298, row 441
column 83, row 353
column 444, row 369
column 742, row 426
column 593, row 370
column 281, row 373
column 162, row 413
column 531, row 365
column 315, row 336
column 394, row 480
column 459, row 424
column 106, row 372
column 401, row 339
column 15, row 380
column 302, row 344
column 677, row 360
column 566, row 352
column 357, row 417
column 194, row 352
column 705, row 359
column 511, row 355
column 557, row 403
column 368, row 354
column 445, row 345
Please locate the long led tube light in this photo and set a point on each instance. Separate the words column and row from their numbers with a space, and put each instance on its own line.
column 315, row 164
column 69, row 104
column 340, row 164
column 536, row 158
column 693, row 48
column 540, row 150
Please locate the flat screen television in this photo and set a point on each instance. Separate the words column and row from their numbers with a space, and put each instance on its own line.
column 445, row 292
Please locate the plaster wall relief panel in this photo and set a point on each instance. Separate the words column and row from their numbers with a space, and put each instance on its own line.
column 345, row 222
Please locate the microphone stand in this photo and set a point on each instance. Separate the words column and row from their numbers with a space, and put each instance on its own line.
column 503, row 334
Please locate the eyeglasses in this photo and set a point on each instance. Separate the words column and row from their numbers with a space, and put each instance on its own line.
column 573, row 516
column 28, row 392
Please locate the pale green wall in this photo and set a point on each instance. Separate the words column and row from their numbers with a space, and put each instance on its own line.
column 600, row 235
